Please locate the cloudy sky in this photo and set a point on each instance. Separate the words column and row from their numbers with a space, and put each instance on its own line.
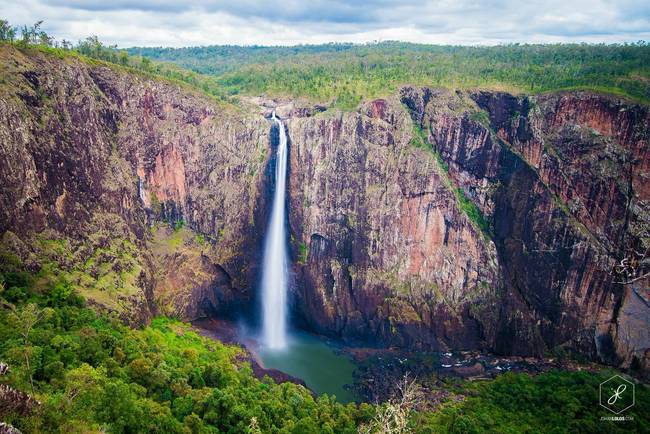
column 192, row 22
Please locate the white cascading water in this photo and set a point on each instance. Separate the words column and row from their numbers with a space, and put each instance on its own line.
column 274, row 274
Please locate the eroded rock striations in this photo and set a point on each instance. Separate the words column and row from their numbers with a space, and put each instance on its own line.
column 386, row 253
column 92, row 155
column 431, row 219
column 502, row 233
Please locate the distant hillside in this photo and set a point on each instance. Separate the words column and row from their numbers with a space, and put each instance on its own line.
column 218, row 59
column 349, row 73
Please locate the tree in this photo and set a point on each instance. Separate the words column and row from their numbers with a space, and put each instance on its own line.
column 34, row 35
column 24, row 321
column 146, row 63
column 194, row 423
column 91, row 46
column 84, row 380
column 393, row 417
column 124, row 58
column 7, row 32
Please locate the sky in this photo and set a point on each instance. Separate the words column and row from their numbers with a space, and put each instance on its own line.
column 179, row 23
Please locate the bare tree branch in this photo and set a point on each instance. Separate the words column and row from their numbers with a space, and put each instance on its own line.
column 633, row 267
column 393, row 416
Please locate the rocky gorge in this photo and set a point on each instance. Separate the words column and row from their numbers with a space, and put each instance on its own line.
column 431, row 219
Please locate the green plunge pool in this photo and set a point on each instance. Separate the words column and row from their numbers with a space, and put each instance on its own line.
column 315, row 361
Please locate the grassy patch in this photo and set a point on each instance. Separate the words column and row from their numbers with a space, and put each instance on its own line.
column 175, row 240
column 106, row 266
column 473, row 212
column 419, row 138
column 482, row 118
column 443, row 165
column 178, row 225
column 302, row 253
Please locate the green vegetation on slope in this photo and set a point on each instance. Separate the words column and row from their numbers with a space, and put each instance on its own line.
column 218, row 59
column 93, row 374
column 347, row 73
column 92, row 50
column 420, row 140
column 473, row 212
column 554, row 402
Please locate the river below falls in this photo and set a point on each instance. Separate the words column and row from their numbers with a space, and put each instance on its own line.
column 319, row 362
column 316, row 361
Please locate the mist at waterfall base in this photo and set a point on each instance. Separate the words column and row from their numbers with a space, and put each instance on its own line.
column 309, row 358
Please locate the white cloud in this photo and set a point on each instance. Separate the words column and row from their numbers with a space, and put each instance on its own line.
column 176, row 23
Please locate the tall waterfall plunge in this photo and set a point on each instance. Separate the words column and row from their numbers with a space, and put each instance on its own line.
column 276, row 262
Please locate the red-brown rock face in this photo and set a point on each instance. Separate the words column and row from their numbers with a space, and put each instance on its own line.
column 88, row 150
column 387, row 255
column 562, row 178
column 386, row 251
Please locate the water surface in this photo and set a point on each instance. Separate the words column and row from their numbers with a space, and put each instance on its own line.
column 316, row 361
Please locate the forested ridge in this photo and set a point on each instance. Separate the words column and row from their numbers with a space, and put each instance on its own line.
column 347, row 73
column 344, row 74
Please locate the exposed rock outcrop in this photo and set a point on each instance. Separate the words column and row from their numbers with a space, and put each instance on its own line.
column 89, row 149
column 389, row 251
column 387, row 255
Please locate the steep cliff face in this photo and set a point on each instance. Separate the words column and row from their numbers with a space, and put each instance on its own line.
column 591, row 154
column 431, row 219
column 384, row 252
column 389, row 250
column 91, row 154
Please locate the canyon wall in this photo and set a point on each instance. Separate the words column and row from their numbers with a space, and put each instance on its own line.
column 431, row 219
column 456, row 220
column 384, row 252
column 97, row 160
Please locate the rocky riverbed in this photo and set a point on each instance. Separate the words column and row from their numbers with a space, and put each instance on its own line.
column 380, row 370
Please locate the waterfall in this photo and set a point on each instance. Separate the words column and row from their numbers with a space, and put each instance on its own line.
column 274, row 274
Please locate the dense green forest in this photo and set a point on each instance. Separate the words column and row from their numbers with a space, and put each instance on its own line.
column 218, row 59
column 347, row 73
column 91, row 373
